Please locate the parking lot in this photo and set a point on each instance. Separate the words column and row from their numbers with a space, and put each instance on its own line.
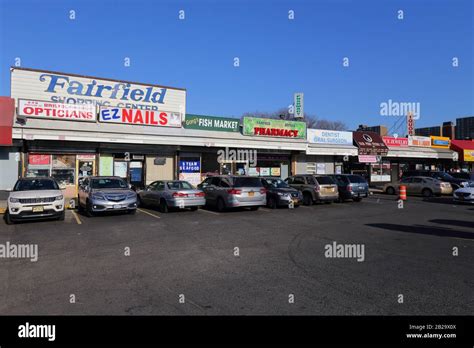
column 248, row 262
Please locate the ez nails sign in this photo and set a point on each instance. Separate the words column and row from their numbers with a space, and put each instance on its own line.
column 140, row 117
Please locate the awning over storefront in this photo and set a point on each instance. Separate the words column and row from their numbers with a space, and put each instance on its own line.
column 420, row 152
column 370, row 143
column 331, row 150
column 465, row 149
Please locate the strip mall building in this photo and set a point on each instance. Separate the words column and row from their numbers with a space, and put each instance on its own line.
column 69, row 126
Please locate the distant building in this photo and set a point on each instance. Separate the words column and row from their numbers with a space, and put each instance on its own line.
column 465, row 128
column 427, row 131
column 448, row 130
column 381, row 130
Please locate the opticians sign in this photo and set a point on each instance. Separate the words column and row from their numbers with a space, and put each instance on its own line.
column 56, row 111
column 140, row 117
column 211, row 123
column 76, row 89
column 265, row 127
column 329, row 137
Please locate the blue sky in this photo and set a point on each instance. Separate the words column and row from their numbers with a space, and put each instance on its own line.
column 404, row 60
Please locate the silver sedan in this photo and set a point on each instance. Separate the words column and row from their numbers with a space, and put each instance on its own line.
column 172, row 194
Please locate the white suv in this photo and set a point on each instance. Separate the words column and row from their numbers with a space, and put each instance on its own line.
column 35, row 198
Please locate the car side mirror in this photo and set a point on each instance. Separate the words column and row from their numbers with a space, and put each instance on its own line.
column 133, row 187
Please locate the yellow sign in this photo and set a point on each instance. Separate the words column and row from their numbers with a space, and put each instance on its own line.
column 440, row 142
column 469, row 155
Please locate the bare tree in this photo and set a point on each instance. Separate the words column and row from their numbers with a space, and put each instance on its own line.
column 312, row 121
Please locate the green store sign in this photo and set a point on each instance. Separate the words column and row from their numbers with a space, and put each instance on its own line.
column 267, row 127
column 211, row 123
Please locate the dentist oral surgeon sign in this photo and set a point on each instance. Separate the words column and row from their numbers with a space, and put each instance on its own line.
column 55, row 87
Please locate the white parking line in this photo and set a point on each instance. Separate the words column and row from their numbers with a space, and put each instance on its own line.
column 79, row 222
column 146, row 212
column 209, row 211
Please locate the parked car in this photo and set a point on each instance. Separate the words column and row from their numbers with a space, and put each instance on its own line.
column 229, row 191
column 464, row 194
column 172, row 194
column 467, row 176
column 351, row 186
column 35, row 198
column 106, row 193
column 315, row 188
column 419, row 185
column 442, row 176
column 279, row 193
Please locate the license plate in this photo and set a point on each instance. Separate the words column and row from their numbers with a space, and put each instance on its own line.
column 117, row 206
column 251, row 193
column 38, row 209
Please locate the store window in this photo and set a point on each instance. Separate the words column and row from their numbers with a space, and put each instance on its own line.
column 64, row 169
column 380, row 172
column 39, row 165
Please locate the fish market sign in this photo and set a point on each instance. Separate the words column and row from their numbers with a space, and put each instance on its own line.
column 75, row 89
column 321, row 136
column 211, row 123
column 268, row 127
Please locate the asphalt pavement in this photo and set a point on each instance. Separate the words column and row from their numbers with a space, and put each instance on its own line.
column 248, row 262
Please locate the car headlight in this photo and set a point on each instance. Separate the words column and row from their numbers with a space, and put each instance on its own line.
column 98, row 196
column 58, row 198
column 14, row 200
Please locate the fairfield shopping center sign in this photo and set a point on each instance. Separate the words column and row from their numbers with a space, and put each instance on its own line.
column 50, row 87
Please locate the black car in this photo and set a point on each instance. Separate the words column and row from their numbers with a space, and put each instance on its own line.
column 442, row 176
column 463, row 175
column 351, row 186
column 279, row 193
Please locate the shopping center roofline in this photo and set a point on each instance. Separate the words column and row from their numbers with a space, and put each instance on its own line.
column 94, row 77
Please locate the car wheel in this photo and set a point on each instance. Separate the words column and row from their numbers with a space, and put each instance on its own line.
column 61, row 217
column 427, row 193
column 220, row 205
column 307, row 199
column 89, row 212
column 163, row 206
column 194, row 208
column 8, row 219
column 271, row 203
column 357, row 199
column 390, row 191
column 254, row 208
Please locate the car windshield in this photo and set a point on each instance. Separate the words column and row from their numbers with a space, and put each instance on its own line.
column 356, row 179
column 247, row 182
column 108, row 183
column 35, row 184
column 277, row 183
column 325, row 180
column 179, row 185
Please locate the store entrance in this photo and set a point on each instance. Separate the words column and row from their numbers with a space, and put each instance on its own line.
column 85, row 168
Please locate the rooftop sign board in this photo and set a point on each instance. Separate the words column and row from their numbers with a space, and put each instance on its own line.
column 58, row 87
